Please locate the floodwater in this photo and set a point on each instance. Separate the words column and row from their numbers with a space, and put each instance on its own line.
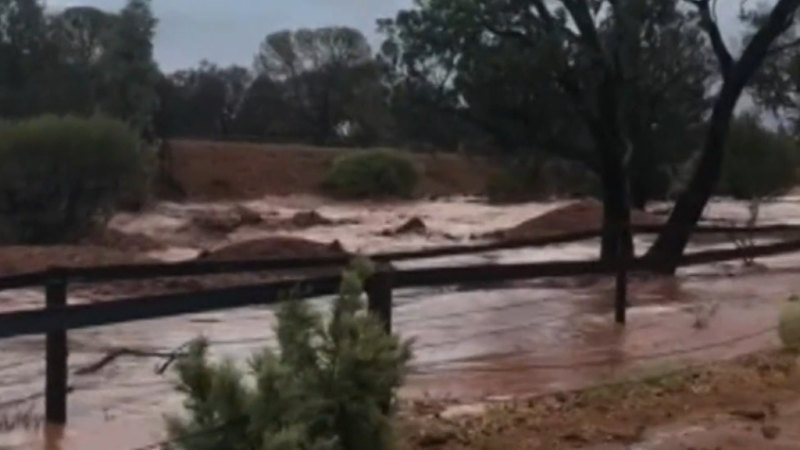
column 471, row 342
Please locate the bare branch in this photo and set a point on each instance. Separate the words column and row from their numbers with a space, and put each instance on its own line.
column 780, row 19
column 508, row 33
column 712, row 30
column 784, row 47
column 579, row 10
column 544, row 14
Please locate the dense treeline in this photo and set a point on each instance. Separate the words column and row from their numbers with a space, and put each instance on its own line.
column 637, row 94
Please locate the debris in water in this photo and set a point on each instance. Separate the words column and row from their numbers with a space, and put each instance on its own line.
column 414, row 225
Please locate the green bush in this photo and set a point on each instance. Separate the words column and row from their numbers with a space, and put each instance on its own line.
column 789, row 324
column 536, row 179
column 61, row 176
column 759, row 163
column 374, row 173
column 325, row 389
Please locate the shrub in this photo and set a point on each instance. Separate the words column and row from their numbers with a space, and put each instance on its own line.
column 759, row 163
column 60, row 176
column 374, row 173
column 789, row 324
column 536, row 179
column 326, row 388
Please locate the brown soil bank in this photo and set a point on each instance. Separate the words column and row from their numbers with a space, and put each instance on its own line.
column 226, row 170
column 749, row 403
column 274, row 247
column 24, row 259
column 580, row 216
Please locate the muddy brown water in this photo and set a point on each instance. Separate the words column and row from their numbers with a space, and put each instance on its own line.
column 470, row 342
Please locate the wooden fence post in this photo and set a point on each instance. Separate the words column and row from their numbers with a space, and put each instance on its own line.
column 621, row 301
column 56, row 357
column 621, row 297
column 379, row 293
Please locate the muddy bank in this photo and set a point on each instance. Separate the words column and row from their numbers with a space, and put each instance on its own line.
column 749, row 403
column 234, row 171
column 575, row 217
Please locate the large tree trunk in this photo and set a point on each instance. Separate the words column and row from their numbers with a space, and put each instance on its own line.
column 665, row 255
column 616, row 240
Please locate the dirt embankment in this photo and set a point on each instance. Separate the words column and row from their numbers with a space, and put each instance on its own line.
column 580, row 216
column 233, row 171
column 747, row 404
column 267, row 248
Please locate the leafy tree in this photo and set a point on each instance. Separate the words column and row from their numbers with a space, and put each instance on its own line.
column 130, row 75
column 23, row 56
column 735, row 74
column 760, row 163
column 205, row 99
column 82, row 33
column 324, row 390
column 323, row 71
column 79, row 37
column 264, row 110
column 594, row 81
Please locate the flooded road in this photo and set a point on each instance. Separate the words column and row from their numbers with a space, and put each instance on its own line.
column 471, row 342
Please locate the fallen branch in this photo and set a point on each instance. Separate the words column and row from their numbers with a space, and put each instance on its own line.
column 114, row 354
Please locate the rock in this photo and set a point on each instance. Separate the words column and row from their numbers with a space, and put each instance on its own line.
column 754, row 414
column 248, row 216
column 308, row 219
column 770, row 432
column 414, row 225
column 462, row 411
column 500, row 399
column 435, row 437
column 226, row 220
column 217, row 221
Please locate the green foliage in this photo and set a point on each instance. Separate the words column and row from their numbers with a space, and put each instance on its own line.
column 59, row 176
column 789, row 324
column 324, row 390
column 329, row 77
column 129, row 74
column 374, row 173
column 759, row 163
column 520, row 74
column 535, row 179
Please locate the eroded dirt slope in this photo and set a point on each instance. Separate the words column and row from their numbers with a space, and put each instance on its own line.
column 224, row 170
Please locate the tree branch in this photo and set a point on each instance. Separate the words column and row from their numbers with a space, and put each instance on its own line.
column 780, row 19
column 579, row 10
column 508, row 33
column 712, row 30
column 783, row 47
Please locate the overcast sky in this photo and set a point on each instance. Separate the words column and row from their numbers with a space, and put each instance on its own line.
column 230, row 31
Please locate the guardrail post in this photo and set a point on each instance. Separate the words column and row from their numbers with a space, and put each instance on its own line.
column 379, row 294
column 56, row 357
